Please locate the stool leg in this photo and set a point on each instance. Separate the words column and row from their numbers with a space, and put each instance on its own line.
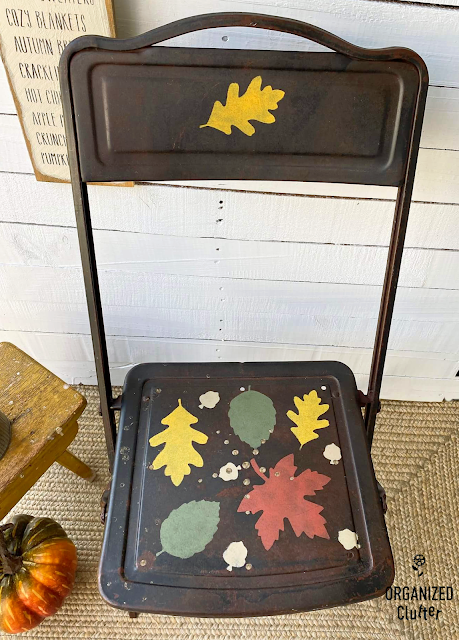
column 73, row 463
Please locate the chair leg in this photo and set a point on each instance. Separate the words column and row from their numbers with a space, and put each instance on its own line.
column 69, row 461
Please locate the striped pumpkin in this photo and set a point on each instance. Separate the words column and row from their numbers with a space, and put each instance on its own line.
column 37, row 571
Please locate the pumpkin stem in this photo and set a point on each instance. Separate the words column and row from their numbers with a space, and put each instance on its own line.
column 9, row 564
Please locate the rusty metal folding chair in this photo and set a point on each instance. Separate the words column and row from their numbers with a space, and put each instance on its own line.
column 268, row 503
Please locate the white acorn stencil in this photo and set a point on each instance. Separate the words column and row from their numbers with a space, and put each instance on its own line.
column 333, row 453
column 349, row 539
column 209, row 400
column 229, row 471
column 235, row 555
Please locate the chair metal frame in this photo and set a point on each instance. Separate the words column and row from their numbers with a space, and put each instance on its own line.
column 82, row 207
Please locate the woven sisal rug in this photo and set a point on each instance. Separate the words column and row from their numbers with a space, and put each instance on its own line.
column 416, row 455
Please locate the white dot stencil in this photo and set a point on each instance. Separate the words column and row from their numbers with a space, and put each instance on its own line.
column 333, row 453
column 235, row 555
column 349, row 539
column 209, row 400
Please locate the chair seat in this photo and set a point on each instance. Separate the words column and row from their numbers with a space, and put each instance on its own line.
column 242, row 489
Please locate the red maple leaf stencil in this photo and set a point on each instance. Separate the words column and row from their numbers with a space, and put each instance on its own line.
column 282, row 496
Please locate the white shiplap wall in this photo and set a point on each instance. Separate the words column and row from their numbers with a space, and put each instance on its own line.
column 248, row 271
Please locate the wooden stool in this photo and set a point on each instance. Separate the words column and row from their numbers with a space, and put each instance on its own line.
column 43, row 411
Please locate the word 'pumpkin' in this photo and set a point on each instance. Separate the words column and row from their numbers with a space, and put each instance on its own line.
column 37, row 571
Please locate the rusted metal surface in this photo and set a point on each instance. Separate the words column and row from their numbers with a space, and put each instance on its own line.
column 340, row 120
column 297, row 573
column 134, row 112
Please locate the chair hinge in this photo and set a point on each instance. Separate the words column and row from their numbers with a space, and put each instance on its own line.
column 364, row 399
column 115, row 405
column 382, row 497
column 105, row 497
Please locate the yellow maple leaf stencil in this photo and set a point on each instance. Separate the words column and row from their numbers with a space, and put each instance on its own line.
column 307, row 418
column 178, row 452
column 254, row 104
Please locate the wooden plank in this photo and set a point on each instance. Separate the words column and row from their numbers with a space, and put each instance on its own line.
column 226, row 309
column 192, row 212
column 124, row 352
column 6, row 99
column 70, row 356
column 436, row 181
column 183, row 293
column 13, row 150
column 430, row 30
column 301, row 188
column 41, row 299
column 211, row 257
column 440, row 129
column 415, row 389
column 231, row 325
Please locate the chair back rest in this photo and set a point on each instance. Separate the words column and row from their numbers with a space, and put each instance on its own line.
column 134, row 111
column 163, row 113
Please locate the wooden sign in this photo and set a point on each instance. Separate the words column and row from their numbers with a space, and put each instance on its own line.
column 33, row 34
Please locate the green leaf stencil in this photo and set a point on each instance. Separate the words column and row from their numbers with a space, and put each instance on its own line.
column 189, row 528
column 252, row 416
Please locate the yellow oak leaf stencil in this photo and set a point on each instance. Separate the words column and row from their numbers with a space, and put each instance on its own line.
column 254, row 104
column 307, row 418
column 178, row 452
